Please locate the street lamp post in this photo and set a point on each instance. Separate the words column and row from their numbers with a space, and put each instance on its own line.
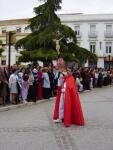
column 9, row 53
column 10, row 40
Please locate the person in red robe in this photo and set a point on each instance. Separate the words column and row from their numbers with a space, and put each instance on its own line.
column 67, row 107
column 39, row 88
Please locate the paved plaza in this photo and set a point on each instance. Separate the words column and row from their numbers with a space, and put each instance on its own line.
column 31, row 127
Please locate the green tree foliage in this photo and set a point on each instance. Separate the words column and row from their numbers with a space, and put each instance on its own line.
column 46, row 26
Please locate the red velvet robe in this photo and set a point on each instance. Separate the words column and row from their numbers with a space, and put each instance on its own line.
column 72, row 108
column 39, row 88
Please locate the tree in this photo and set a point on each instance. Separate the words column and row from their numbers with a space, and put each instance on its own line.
column 46, row 26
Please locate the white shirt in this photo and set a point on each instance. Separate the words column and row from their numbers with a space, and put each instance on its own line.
column 13, row 79
column 78, row 81
column 46, row 81
column 60, row 80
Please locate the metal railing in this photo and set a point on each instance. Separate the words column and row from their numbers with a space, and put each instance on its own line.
column 92, row 34
column 108, row 34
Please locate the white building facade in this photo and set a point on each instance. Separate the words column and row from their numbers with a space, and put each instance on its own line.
column 18, row 25
column 93, row 31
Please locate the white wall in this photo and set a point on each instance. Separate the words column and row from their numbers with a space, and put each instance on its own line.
column 84, row 21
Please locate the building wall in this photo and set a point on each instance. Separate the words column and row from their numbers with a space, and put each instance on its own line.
column 12, row 25
column 84, row 22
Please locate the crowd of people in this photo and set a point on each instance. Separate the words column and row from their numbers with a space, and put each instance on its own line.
column 32, row 83
column 88, row 78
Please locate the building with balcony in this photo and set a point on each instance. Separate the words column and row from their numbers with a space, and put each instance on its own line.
column 19, row 26
column 93, row 31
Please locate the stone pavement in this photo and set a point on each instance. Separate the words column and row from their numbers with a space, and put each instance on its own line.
column 32, row 128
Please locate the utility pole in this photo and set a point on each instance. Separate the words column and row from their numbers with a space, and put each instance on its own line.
column 10, row 40
column 9, row 53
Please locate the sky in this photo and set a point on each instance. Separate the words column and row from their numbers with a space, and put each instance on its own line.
column 16, row 9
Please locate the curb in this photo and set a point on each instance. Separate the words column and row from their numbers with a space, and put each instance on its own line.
column 6, row 108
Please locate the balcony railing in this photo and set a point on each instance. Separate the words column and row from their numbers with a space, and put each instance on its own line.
column 92, row 35
column 108, row 34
